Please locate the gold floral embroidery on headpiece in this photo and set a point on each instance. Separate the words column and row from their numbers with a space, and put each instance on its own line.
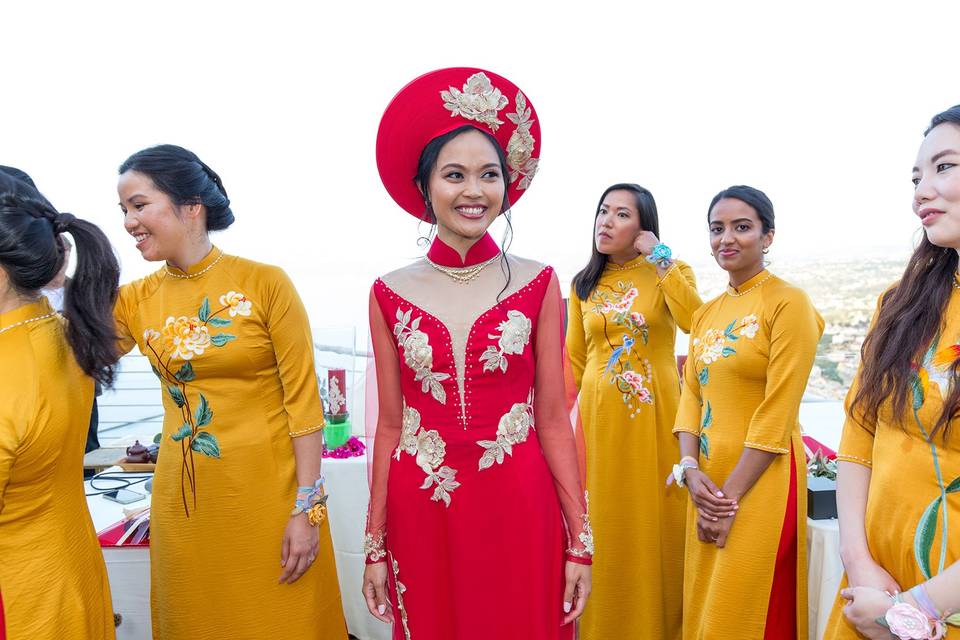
column 478, row 101
column 520, row 145
column 481, row 101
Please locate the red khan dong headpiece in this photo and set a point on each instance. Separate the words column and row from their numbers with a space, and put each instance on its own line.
column 433, row 105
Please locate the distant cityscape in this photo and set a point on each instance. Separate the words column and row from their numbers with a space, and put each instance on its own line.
column 845, row 293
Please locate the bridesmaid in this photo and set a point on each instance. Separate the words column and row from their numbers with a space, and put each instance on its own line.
column 751, row 351
column 625, row 307
column 900, row 444
column 238, row 504
column 52, row 573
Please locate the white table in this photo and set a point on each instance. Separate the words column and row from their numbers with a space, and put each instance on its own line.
column 824, row 572
column 128, row 568
column 349, row 496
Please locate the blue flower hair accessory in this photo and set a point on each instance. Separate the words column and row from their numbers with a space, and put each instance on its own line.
column 660, row 256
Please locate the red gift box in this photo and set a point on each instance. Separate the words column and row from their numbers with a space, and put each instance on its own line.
column 112, row 535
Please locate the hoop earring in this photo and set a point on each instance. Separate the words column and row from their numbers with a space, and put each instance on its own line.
column 765, row 250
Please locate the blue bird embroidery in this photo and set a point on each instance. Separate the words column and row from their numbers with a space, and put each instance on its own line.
column 615, row 356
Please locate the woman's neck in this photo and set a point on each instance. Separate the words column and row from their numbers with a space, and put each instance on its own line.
column 191, row 254
column 740, row 276
column 622, row 258
column 10, row 299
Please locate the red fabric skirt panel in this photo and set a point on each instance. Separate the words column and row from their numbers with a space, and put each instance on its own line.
column 782, row 610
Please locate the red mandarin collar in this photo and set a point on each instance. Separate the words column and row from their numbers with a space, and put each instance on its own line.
column 445, row 255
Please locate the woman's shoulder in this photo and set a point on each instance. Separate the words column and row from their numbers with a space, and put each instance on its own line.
column 780, row 291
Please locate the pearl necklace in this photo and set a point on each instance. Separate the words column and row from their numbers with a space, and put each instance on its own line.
column 743, row 293
column 28, row 321
column 463, row 275
column 194, row 275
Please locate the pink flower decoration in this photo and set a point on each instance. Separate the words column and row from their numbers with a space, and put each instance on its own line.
column 352, row 448
column 908, row 623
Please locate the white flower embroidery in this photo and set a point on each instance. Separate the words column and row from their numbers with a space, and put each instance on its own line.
column 150, row 334
column 373, row 547
column 513, row 429
column 237, row 303
column 749, row 326
column 408, row 436
column 521, row 144
column 586, row 535
column 401, row 589
column 479, row 101
column 418, row 355
column 429, row 449
column 514, row 336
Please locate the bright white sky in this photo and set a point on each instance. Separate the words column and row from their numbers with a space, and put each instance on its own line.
column 821, row 105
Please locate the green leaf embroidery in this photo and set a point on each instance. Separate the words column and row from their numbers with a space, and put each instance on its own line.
column 703, row 377
column 157, row 438
column 707, row 417
column 954, row 486
column 728, row 332
column 156, row 372
column 206, row 443
column 923, row 538
column 219, row 322
column 917, row 392
column 705, row 446
column 177, row 395
column 222, row 338
column 204, row 313
column 203, row 414
column 728, row 351
column 185, row 373
column 184, row 432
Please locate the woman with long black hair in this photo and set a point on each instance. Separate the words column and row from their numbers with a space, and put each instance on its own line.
column 52, row 574
column 898, row 486
column 625, row 308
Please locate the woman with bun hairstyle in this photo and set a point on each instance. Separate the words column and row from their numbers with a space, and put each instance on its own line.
column 478, row 522
column 240, row 546
column 898, row 482
column 52, row 574
column 625, row 308
column 742, row 457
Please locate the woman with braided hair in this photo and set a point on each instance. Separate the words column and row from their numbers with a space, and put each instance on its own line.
column 52, row 573
column 238, row 511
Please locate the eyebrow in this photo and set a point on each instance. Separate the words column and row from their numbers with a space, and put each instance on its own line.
column 732, row 221
column 136, row 195
column 937, row 156
column 457, row 165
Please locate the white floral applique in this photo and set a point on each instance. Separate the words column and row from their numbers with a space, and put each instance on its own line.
column 401, row 589
column 418, row 354
column 373, row 546
column 521, row 144
column 479, row 101
column 586, row 534
column 513, row 429
column 514, row 336
column 429, row 449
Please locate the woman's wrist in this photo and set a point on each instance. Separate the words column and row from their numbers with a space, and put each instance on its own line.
column 853, row 555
